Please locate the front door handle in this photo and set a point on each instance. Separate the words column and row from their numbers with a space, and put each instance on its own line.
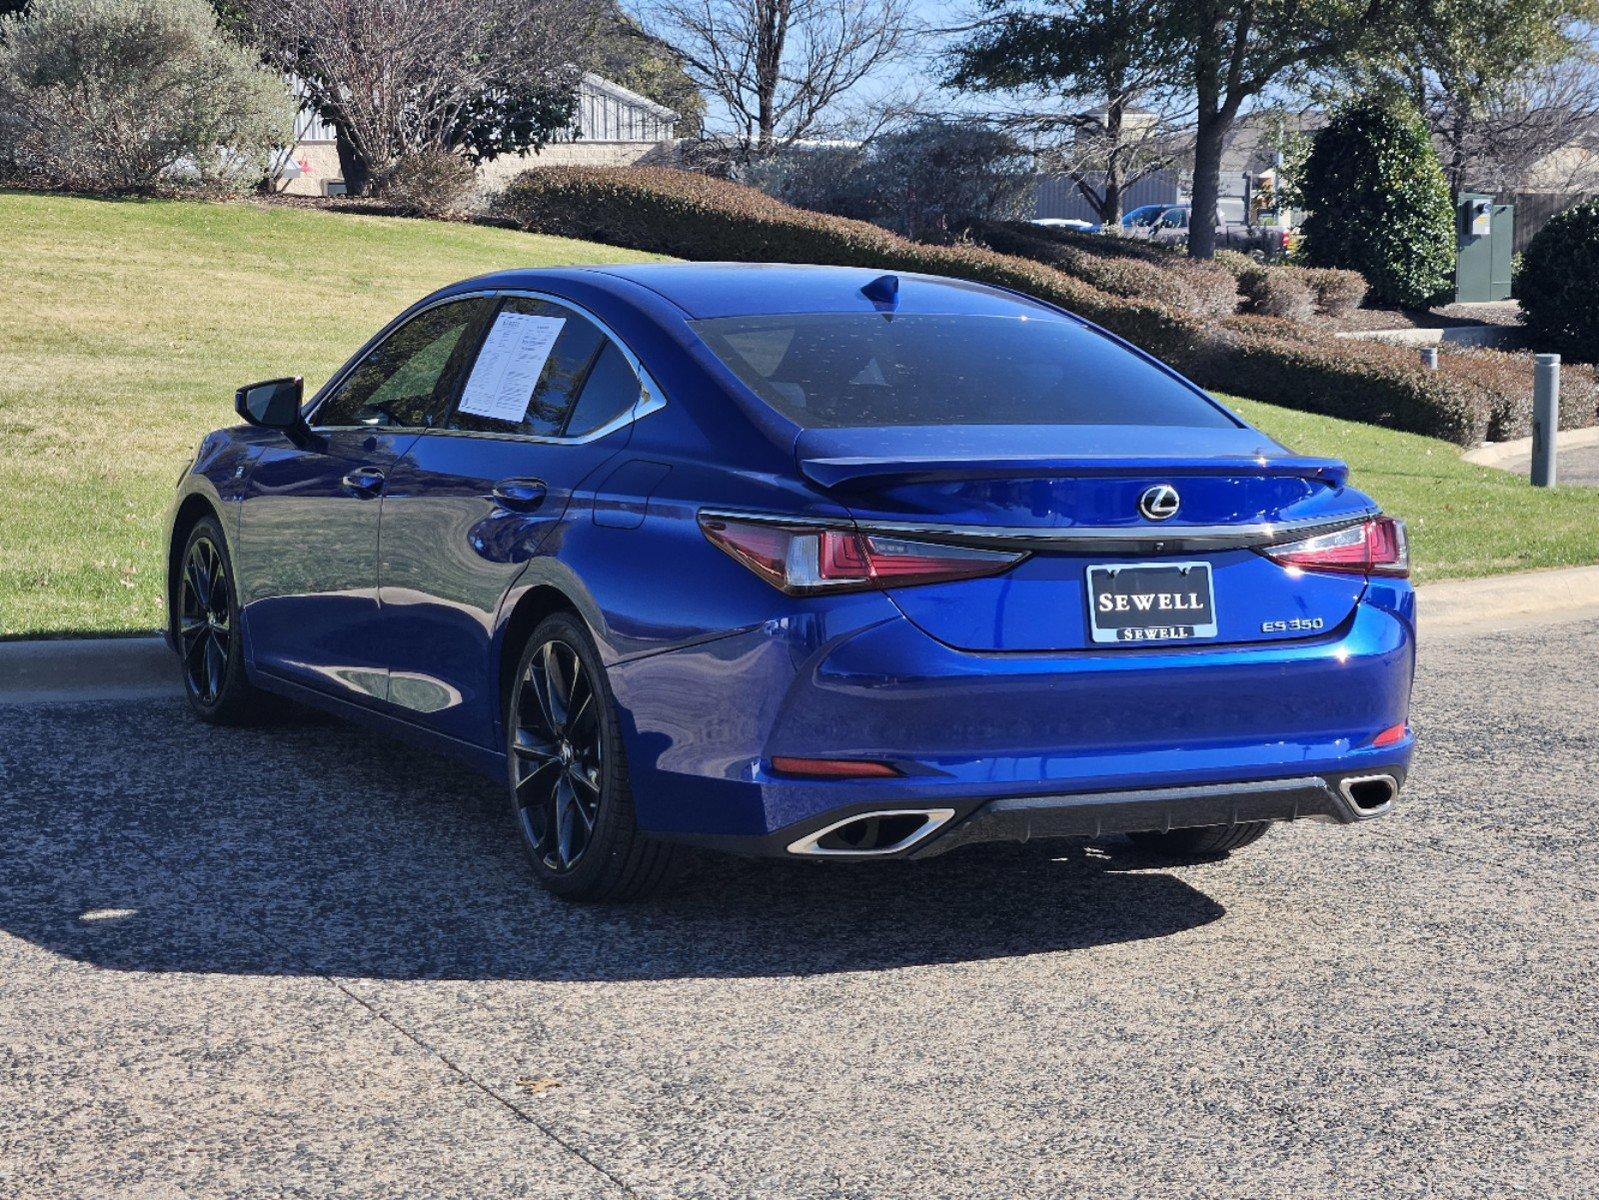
column 520, row 495
column 364, row 483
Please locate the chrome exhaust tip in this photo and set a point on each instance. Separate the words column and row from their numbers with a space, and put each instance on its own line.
column 1369, row 795
column 873, row 834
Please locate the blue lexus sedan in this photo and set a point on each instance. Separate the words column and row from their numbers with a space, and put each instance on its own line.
column 799, row 561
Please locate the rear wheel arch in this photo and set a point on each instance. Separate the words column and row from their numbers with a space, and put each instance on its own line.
column 532, row 607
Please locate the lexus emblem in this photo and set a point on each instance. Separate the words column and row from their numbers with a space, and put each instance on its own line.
column 1159, row 502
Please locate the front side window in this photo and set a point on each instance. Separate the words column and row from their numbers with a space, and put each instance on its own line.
column 407, row 379
column 546, row 370
column 838, row 370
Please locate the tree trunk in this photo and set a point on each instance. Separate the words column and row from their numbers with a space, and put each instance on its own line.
column 1211, row 132
column 772, row 33
column 352, row 164
column 1457, row 151
column 1110, row 214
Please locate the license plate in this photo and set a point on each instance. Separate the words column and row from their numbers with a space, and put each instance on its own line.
column 1140, row 602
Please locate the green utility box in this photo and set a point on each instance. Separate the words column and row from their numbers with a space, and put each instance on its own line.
column 1485, row 235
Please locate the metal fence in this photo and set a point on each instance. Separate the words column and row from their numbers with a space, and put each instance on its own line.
column 1059, row 195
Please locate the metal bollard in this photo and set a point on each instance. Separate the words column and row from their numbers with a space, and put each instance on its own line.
column 1429, row 357
column 1545, row 417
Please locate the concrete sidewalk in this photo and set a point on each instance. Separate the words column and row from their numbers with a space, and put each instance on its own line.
column 130, row 668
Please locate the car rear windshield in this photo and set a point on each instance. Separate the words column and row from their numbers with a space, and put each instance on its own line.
column 840, row 370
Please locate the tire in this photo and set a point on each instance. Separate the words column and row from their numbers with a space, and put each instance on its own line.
column 1203, row 842
column 205, row 625
column 567, row 773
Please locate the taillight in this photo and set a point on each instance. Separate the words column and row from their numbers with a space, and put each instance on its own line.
column 802, row 559
column 1375, row 547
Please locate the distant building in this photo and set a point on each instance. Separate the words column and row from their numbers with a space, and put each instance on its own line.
column 613, row 127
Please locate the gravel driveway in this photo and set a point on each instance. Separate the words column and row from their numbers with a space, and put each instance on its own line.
column 301, row 961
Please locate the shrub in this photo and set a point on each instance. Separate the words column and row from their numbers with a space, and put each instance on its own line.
column 1234, row 262
column 1291, row 364
column 129, row 95
column 931, row 181
column 1333, row 293
column 829, row 179
column 429, row 183
column 1558, row 283
column 1276, row 292
column 1188, row 285
column 1379, row 204
column 1338, row 293
column 1506, row 380
column 692, row 216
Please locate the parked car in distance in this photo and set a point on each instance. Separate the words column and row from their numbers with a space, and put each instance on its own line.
column 807, row 562
column 1170, row 227
column 1067, row 223
column 1143, row 217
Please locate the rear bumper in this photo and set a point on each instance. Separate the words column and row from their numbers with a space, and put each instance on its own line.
column 1045, row 739
column 1096, row 814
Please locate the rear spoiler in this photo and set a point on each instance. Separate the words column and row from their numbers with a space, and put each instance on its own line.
column 864, row 471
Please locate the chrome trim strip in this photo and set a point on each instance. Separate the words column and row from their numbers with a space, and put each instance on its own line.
column 936, row 819
column 1101, row 538
column 650, row 398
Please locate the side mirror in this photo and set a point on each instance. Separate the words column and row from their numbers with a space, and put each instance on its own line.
column 274, row 404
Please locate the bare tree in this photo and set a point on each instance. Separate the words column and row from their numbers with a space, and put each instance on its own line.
column 1540, row 134
column 781, row 67
column 400, row 78
column 1494, row 82
column 1094, row 84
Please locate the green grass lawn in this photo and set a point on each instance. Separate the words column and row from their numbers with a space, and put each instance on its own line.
column 124, row 329
column 1464, row 520
column 126, row 326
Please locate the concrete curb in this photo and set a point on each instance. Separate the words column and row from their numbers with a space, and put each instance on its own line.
column 134, row 668
column 1455, row 335
column 66, row 669
column 1466, row 605
column 1503, row 454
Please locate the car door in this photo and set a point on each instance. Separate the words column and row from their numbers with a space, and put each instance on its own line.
column 545, row 405
column 308, row 528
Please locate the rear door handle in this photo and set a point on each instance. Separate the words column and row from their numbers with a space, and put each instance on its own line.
column 364, row 483
column 520, row 495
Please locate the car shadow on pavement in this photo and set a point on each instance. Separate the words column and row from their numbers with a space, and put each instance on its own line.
column 133, row 839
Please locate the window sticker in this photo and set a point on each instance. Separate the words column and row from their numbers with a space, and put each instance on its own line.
column 509, row 365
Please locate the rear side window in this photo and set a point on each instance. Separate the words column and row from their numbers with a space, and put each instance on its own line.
column 836, row 370
column 534, row 366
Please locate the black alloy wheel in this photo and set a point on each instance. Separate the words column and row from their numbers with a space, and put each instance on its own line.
column 205, row 629
column 205, row 621
column 558, row 767
column 568, row 773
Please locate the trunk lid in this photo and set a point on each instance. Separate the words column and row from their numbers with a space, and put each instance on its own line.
column 1070, row 495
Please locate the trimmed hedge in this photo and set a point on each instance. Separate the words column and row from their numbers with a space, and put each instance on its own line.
column 1337, row 292
column 668, row 211
column 1283, row 362
column 1506, row 381
column 1201, row 288
column 1276, row 292
column 1268, row 286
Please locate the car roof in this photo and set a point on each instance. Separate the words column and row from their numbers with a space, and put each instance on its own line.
column 704, row 290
